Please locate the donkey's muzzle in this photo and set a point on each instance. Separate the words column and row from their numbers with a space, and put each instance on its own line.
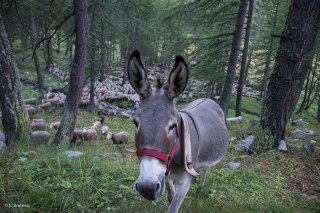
column 151, row 190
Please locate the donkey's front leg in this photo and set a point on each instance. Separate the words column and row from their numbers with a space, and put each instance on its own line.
column 182, row 183
column 171, row 189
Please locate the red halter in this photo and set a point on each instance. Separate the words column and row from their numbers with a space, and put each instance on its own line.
column 166, row 158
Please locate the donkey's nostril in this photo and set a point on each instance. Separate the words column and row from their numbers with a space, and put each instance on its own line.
column 149, row 190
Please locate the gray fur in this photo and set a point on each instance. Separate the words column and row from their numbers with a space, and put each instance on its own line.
column 154, row 119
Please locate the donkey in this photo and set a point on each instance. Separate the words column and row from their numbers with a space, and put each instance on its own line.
column 160, row 134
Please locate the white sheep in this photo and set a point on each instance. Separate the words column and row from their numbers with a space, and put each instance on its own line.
column 77, row 134
column 30, row 110
column 31, row 101
column 55, row 125
column 105, row 130
column 90, row 134
column 120, row 137
column 38, row 124
column 40, row 137
column 46, row 105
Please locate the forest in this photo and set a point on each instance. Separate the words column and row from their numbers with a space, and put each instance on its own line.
column 76, row 75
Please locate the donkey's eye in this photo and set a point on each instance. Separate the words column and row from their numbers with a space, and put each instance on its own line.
column 172, row 126
column 136, row 123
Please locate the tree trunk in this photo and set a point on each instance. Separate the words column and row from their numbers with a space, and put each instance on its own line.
column 103, row 50
column 306, row 63
column 266, row 74
column 15, row 120
column 49, row 61
column 309, row 87
column 227, row 88
column 243, row 74
column 35, row 54
column 93, row 72
column 279, row 94
column 318, row 112
column 68, row 121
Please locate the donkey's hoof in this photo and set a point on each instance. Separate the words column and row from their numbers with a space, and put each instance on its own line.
column 200, row 188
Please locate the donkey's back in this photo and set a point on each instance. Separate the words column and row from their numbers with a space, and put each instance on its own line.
column 209, row 136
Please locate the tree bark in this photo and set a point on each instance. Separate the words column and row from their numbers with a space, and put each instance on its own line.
column 318, row 112
column 279, row 96
column 306, row 64
column 309, row 87
column 243, row 69
column 15, row 120
column 93, row 72
column 68, row 121
column 35, row 54
column 266, row 74
column 103, row 51
column 227, row 88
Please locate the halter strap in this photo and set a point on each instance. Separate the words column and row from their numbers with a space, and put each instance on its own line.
column 166, row 158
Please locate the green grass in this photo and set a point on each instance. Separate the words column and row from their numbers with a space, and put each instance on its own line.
column 49, row 182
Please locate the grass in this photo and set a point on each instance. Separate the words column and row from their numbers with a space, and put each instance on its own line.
column 49, row 182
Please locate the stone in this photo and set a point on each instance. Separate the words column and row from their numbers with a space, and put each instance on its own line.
column 308, row 147
column 3, row 146
column 233, row 165
column 245, row 144
column 73, row 154
column 111, row 155
column 234, row 120
column 313, row 141
column 302, row 133
column 298, row 122
column 23, row 160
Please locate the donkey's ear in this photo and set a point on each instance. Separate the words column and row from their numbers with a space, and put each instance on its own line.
column 178, row 78
column 137, row 75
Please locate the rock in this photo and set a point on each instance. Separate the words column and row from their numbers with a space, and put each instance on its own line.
column 232, row 139
column 302, row 133
column 294, row 140
column 107, row 155
column 308, row 147
column 23, row 160
column 313, row 141
column 245, row 144
column 298, row 122
column 232, row 165
column 282, row 146
column 73, row 154
column 3, row 147
column 2, row 137
column 234, row 120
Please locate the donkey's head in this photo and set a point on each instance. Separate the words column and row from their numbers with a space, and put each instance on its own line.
column 156, row 122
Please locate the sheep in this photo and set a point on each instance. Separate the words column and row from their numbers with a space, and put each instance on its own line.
column 46, row 105
column 55, row 125
column 120, row 138
column 50, row 95
column 96, row 125
column 31, row 111
column 38, row 124
column 40, row 137
column 31, row 101
column 77, row 134
column 105, row 130
column 53, row 101
column 90, row 134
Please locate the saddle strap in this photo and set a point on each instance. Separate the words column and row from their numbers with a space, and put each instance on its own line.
column 187, row 148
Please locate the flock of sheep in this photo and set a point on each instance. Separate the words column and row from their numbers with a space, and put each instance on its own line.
column 39, row 127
